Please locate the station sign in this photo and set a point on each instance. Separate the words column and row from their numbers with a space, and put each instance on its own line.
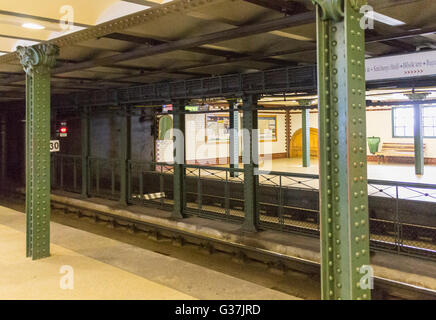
column 55, row 146
column 401, row 66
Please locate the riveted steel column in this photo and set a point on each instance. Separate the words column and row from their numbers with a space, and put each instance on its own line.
column 37, row 62
column 125, row 155
column 343, row 170
column 234, row 138
column 3, row 149
column 419, row 140
column 418, row 131
column 86, row 148
column 179, row 158
column 305, row 128
column 250, row 158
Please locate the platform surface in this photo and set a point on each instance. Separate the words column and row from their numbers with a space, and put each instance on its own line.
column 107, row 269
column 388, row 171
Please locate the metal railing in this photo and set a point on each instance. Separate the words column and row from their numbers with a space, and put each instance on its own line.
column 104, row 176
column 289, row 201
column 402, row 214
column 151, row 184
column 214, row 192
column 66, row 172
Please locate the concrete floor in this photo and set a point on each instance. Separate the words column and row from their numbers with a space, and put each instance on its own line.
column 108, row 269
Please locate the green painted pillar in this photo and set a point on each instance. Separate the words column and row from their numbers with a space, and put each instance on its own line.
column 419, row 140
column 179, row 158
column 418, row 131
column 250, row 158
column 305, row 128
column 37, row 62
column 86, row 148
column 343, row 167
column 234, row 137
column 125, row 155
column 3, row 150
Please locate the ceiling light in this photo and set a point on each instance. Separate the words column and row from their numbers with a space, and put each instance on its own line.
column 32, row 26
column 384, row 19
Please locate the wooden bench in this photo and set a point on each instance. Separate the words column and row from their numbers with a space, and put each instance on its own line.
column 396, row 150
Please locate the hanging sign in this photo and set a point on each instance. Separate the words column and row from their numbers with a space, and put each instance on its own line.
column 401, row 66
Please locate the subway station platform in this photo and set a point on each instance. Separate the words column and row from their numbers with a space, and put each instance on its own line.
column 384, row 171
column 413, row 271
column 107, row 269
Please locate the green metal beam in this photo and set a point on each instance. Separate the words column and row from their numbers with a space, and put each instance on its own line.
column 3, row 148
column 179, row 158
column 37, row 62
column 234, row 137
column 305, row 128
column 250, row 158
column 418, row 130
column 125, row 155
column 419, row 140
column 343, row 166
column 86, row 148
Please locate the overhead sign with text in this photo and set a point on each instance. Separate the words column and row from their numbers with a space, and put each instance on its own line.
column 401, row 66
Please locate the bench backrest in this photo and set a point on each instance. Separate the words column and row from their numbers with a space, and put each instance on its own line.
column 399, row 147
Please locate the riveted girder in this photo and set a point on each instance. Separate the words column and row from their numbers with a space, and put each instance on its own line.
column 85, row 137
column 3, row 149
column 125, row 153
column 250, row 156
column 343, row 166
column 179, row 157
column 37, row 62
column 418, row 129
column 234, row 137
column 305, row 128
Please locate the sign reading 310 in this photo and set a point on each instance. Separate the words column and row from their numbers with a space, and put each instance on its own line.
column 55, row 146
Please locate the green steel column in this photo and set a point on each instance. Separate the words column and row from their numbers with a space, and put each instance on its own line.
column 418, row 131
column 86, row 146
column 419, row 140
column 3, row 149
column 305, row 128
column 343, row 167
column 234, row 138
column 179, row 158
column 125, row 155
column 250, row 158
column 37, row 62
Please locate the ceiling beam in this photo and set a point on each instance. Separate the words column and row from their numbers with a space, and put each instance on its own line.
column 287, row 7
column 402, row 46
column 403, row 35
column 233, row 33
column 188, row 43
column 40, row 18
column 207, row 51
column 149, row 3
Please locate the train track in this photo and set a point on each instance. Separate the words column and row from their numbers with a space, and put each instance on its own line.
column 384, row 288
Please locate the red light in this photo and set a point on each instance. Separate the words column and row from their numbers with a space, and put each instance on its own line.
column 63, row 130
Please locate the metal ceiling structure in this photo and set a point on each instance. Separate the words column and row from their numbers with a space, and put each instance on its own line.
column 190, row 39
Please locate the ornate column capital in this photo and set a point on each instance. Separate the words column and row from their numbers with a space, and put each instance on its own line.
column 39, row 58
column 334, row 9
